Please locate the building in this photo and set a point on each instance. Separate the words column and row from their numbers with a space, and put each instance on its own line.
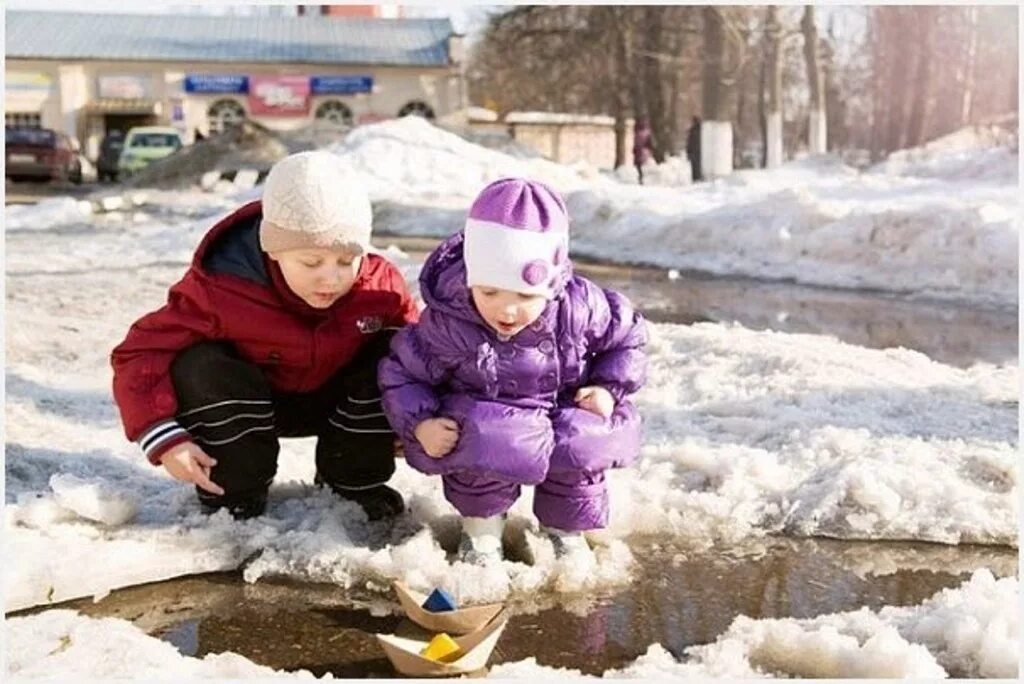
column 85, row 74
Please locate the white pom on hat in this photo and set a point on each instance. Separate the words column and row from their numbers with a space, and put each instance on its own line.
column 315, row 199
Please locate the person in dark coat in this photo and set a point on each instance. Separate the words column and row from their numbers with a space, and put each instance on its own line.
column 276, row 330
column 693, row 149
column 642, row 147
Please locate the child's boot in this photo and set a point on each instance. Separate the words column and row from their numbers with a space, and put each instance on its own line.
column 379, row 502
column 480, row 543
column 570, row 545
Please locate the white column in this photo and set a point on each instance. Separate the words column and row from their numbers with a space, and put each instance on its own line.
column 74, row 95
column 715, row 149
column 817, row 142
column 773, row 157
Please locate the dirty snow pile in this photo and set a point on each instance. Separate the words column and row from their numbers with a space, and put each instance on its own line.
column 973, row 152
column 967, row 632
column 950, row 234
column 410, row 161
column 63, row 645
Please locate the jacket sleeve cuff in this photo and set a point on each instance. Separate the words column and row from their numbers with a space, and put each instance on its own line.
column 156, row 440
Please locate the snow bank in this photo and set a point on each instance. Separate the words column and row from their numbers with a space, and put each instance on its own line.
column 67, row 646
column 970, row 631
column 746, row 433
column 953, row 235
column 409, row 160
column 973, row 152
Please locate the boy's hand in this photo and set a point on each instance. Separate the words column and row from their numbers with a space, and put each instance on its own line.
column 596, row 400
column 188, row 463
column 437, row 436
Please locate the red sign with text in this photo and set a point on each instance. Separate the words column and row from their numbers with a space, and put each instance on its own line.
column 279, row 95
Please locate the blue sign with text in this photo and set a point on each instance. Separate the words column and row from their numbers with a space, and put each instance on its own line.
column 340, row 85
column 216, row 83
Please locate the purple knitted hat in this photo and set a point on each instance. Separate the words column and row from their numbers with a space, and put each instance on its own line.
column 517, row 238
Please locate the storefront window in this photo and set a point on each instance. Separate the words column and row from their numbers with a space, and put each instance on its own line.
column 335, row 112
column 23, row 119
column 224, row 113
column 417, row 108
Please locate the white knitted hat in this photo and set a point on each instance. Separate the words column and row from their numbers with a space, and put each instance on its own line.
column 315, row 199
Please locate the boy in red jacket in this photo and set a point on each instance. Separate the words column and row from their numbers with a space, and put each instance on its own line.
column 274, row 331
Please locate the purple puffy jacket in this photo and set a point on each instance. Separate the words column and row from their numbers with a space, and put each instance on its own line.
column 513, row 400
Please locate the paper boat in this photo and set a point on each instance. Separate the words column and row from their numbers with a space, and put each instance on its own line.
column 404, row 652
column 458, row 621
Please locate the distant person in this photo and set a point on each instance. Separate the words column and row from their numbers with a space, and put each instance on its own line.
column 520, row 372
column 693, row 149
column 642, row 147
column 274, row 331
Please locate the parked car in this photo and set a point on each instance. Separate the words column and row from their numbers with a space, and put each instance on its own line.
column 145, row 144
column 42, row 154
column 110, row 154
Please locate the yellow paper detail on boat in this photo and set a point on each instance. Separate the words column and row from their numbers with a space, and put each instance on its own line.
column 441, row 648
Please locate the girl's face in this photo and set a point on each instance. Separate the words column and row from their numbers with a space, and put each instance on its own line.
column 507, row 312
column 319, row 276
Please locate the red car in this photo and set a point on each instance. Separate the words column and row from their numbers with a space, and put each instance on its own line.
column 42, row 154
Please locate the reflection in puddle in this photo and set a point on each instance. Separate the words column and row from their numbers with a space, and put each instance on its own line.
column 953, row 334
column 678, row 598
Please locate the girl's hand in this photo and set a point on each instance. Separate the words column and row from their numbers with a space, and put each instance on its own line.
column 188, row 463
column 437, row 436
column 596, row 400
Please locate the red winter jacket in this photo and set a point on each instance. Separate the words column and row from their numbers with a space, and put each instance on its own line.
column 234, row 292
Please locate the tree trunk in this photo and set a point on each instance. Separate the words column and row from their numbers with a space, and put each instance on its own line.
column 714, row 59
column 922, row 75
column 896, row 87
column 651, row 28
column 817, row 133
column 875, row 34
column 619, row 77
column 772, row 116
column 970, row 59
column 716, row 129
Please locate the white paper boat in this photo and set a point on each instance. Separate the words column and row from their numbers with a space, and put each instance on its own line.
column 458, row 621
column 404, row 652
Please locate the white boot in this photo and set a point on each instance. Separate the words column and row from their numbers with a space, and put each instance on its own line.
column 570, row 545
column 481, row 540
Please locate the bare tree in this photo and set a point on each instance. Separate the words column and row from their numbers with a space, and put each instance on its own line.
column 969, row 61
column 817, row 132
column 771, row 89
column 925, row 30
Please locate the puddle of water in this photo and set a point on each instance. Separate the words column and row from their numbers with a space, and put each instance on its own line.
column 678, row 597
column 954, row 334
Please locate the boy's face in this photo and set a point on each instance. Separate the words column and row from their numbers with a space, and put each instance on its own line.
column 507, row 312
column 318, row 275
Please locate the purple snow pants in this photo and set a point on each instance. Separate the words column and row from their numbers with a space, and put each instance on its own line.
column 564, row 453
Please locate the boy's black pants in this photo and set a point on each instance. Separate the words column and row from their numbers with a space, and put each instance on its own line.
column 227, row 406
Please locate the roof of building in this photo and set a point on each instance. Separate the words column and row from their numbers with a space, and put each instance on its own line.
column 204, row 38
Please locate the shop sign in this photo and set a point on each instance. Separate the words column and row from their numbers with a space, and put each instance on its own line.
column 27, row 81
column 341, row 85
column 279, row 95
column 125, row 87
column 216, row 83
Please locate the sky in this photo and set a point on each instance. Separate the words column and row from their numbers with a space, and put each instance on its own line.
column 468, row 19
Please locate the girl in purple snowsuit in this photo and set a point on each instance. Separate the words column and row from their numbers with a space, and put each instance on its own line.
column 518, row 373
